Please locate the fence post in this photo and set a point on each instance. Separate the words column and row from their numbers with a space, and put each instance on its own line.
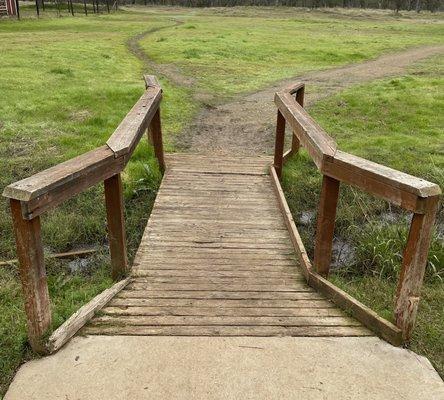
column 116, row 226
column 326, row 224
column 156, row 137
column 33, row 276
column 295, row 144
column 413, row 267
column 279, row 144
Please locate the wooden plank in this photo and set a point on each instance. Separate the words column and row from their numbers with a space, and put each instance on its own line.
column 146, row 284
column 279, row 144
column 219, row 295
column 71, row 326
column 126, row 136
column 326, row 225
column 318, row 331
column 116, row 226
column 221, row 303
column 291, row 226
column 362, row 313
column 210, row 273
column 51, row 187
column 222, row 321
column 222, row 311
column 33, row 277
column 224, row 280
column 397, row 187
column 413, row 268
column 319, row 145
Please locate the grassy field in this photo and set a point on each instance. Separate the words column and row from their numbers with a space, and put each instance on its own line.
column 66, row 83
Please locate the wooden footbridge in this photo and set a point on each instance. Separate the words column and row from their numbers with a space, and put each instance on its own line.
column 221, row 255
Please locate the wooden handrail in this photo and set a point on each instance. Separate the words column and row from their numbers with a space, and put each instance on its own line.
column 412, row 193
column 34, row 195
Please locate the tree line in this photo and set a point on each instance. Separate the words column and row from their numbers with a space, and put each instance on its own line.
column 396, row 5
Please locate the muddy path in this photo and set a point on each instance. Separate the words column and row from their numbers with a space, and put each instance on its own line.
column 246, row 124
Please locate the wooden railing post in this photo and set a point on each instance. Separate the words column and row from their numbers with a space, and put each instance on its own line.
column 33, row 276
column 116, row 226
column 295, row 143
column 156, row 133
column 413, row 267
column 326, row 224
column 279, row 144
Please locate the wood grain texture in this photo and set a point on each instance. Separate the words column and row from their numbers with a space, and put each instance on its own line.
column 216, row 259
column 33, row 277
column 315, row 140
column 116, row 226
column 395, row 186
column 413, row 268
column 126, row 136
column 325, row 225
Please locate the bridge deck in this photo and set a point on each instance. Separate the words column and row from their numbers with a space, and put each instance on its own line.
column 216, row 260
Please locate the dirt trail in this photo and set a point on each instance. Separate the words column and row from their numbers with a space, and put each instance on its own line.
column 171, row 72
column 245, row 125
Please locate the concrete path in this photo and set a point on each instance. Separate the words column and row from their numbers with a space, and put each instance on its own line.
column 165, row 368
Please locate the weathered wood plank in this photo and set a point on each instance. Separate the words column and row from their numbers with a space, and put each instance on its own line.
column 51, row 187
column 219, row 295
column 413, row 268
column 319, row 145
column 116, row 226
column 70, row 327
column 146, row 284
column 227, row 330
column 126, row 136
column 223, row 311
column 220, row 303
column 397, row 187
column 326, row 225
column 33, row 276
column 223, row 321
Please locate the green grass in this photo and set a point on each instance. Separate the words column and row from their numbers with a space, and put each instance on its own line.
column 394, row 122
column 232, row 51
column 66, row 83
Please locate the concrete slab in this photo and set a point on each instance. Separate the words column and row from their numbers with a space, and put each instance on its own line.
column 124, row 367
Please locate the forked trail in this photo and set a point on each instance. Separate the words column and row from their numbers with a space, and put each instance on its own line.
column 221, row 262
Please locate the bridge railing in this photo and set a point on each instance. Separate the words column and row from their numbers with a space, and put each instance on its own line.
column 411, row 193
column 31, row 197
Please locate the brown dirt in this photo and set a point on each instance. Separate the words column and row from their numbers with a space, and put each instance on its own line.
column 245, row 125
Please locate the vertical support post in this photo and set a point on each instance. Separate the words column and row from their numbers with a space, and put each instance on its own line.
column 37, row 8
column 17, row 8
column 85, row 8
column 326, row 224
column 295, row 144
column 116, row 226
column 107, row 5
column 279, row 144
column 413, row 267
column 33, row 276
column 156, row 135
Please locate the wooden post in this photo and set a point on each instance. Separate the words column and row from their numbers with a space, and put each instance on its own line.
column 33, row 276
column 295, row 144
column 156, row 133
column 17, row 8
column 37, row 8
column 326, row 224
column 279, row 144
column 85, row 8
column 116, row 226
column 413, row 267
